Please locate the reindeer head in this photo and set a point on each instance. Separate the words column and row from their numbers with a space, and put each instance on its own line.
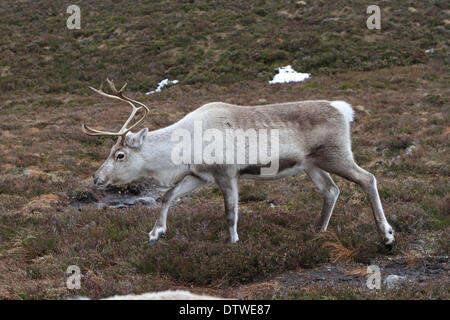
column 125, row 162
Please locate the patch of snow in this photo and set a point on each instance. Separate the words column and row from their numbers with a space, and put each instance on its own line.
column 161, row 85
column 288, row 74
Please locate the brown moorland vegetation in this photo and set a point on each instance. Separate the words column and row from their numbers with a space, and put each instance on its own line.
column 401, row 134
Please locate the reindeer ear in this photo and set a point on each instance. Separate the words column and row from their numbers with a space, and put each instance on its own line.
column 135, row 140
column 141, row 135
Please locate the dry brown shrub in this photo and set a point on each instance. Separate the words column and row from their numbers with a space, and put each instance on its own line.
column 253, row 290
column 358, row 271
column 338, row 252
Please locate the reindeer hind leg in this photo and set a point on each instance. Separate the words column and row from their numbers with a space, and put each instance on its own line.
column 339, row 160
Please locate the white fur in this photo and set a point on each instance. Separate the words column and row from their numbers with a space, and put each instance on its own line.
column 151, row 156
column 344, row 108
column 162, row 295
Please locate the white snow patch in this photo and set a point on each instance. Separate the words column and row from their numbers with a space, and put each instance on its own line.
column 344, row 108
column 161, row 85
column 287, row 74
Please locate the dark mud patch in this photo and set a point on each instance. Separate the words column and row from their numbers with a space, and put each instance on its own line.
column 145, row 193
column 355, row 275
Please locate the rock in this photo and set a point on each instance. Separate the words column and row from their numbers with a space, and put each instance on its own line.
column 127, row 202
column 301, row 3
column 393, row 280
column 146, row 201
column 412, row 9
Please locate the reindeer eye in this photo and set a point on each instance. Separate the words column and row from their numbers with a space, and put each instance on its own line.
column 120, row 155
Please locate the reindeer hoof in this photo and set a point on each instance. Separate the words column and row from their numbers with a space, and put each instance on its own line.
column 159, row 233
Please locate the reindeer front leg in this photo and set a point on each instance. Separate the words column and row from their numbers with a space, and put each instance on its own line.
column 229, row 188
column 187, row 185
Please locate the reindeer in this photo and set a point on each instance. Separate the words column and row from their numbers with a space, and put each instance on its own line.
column 314, row 135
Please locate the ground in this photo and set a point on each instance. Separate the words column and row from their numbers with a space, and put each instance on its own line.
column 400, row 134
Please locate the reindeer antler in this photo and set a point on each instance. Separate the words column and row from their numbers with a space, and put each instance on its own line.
column 118, row 94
